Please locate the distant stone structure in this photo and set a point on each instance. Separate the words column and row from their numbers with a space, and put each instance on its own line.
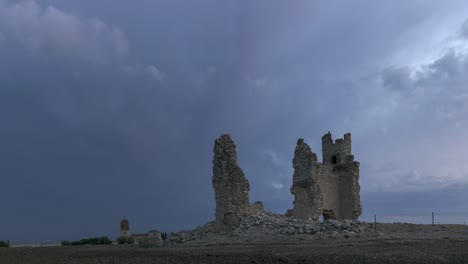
column 329, row 189
column 230, row 184
column 151, row 238
column 124, row 228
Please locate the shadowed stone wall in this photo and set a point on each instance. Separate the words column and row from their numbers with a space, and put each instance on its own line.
column 305, row 183
column 330, row 188
column 229, row 182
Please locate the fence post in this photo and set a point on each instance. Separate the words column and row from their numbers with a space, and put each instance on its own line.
column 432, row 225
column 375, row 227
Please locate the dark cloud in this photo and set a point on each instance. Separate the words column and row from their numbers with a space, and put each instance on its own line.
column 48, row 31
column 397, row 78
column 464, row 30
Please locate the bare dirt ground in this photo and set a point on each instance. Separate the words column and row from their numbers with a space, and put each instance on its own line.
column 438, row 251
column 397, row 243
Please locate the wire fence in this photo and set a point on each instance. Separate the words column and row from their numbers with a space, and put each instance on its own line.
column 431, row 225
column 450, row 218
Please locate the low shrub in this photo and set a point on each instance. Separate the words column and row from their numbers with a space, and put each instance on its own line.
column 88, row 241
column 125, row 240
column 4, row 244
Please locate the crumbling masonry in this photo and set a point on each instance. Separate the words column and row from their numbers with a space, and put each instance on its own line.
column 230, row 185
column 330, row 188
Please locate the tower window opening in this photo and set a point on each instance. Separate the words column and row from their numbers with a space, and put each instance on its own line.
column 334, row 160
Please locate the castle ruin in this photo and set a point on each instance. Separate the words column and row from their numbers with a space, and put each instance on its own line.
column 229, row 182
column 329, row 189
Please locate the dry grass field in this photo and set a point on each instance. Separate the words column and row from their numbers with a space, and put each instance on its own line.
column 397, row 243
column 422, row 251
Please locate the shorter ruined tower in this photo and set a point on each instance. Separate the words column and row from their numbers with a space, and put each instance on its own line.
column 229, row 182
column 124, row 228
column 331, row 188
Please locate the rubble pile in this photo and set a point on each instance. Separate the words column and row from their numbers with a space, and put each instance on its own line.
column 291, row 226
column 270, row 227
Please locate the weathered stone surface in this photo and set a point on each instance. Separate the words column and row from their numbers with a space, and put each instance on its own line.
column 270, row 228
column 229, row 182
column 305, row 188
column 124, row 228
column 256, row 208
column 331, row 188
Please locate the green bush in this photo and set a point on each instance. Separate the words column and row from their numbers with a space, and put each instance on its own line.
column 88, row 241
column 4, row 244
column 125, row 240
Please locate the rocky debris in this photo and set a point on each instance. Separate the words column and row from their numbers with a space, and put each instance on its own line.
column 292, row 226
column 271, row 228
column 229, row 182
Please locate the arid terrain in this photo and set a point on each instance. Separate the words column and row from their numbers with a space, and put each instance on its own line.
column 397, row 243
column 423, row 251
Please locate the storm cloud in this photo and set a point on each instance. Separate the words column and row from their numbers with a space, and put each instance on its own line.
column 110, row 108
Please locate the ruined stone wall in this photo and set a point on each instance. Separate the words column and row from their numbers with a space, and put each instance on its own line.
column 305, row 188
column 329, row 185
column 330, row 189
column 340, row 149
column 229, row 182
column 256, row 208
column 350, row 190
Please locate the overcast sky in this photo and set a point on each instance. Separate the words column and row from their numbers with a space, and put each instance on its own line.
column 111, row 108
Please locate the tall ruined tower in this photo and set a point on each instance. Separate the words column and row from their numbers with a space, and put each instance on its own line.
column 229, row 182
column 330, row 188
column 305, row 188
column 124, row 228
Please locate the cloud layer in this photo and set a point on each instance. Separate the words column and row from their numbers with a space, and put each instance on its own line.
column 48, row 31
column 112, row 112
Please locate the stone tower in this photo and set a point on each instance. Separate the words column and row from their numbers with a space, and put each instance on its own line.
column 124, row 228
column 229, row 183
column 305, row 188
column 330, row 188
